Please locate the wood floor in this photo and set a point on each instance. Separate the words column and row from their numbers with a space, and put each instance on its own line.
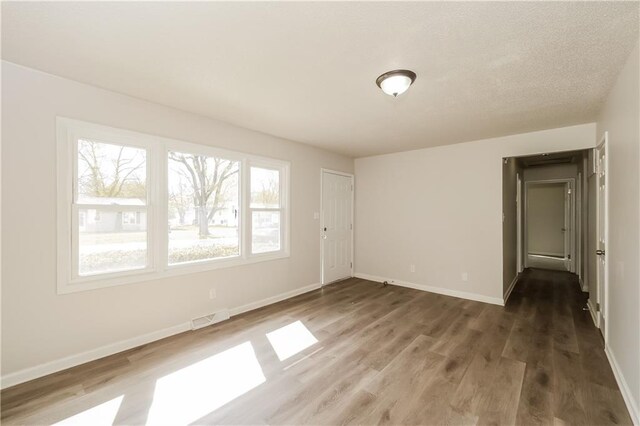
column 384, row 355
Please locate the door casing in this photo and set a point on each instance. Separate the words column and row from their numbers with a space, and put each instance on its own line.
column 351, row 176
column 574, row 225
column 519, row 248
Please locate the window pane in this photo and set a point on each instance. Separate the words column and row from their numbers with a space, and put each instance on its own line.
column 109, row 243
column 111, row 174
column 265, row 188
column 204, row 208
column 265, row 231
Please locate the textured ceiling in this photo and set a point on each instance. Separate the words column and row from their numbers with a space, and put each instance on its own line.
column 306, row 71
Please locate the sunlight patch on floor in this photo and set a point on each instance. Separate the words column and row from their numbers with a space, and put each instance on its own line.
column 190, row 393
column 103, row 414
column 291, row 339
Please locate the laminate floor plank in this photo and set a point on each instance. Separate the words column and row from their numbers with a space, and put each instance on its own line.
column 537, row 397
column 354, row 352
column 399, row 386
column 499, row 403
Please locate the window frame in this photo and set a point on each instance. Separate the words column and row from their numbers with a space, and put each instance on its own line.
column 207, row 151
column 99, row 136
column 68, row 131
column 282, row 209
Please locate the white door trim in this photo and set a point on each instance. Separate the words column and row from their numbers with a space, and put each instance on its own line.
column 353, row 225
column 578, row 223
column 574, row 224
column 519, row 260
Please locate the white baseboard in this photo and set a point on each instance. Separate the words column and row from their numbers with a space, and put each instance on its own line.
column 510, row 289
column 51, row 367
column 431, row 289
column 91, row 355
column 547, row 254
column 273, row 299
column 583, row 285
column 624, row 388
column 594, row 313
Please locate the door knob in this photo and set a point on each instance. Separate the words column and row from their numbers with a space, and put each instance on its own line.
column 600, row 252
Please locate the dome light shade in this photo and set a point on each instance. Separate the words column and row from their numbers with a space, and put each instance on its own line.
column 396, row 82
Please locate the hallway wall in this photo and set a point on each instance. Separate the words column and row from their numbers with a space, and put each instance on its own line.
column 619, row 117
column 557, row 171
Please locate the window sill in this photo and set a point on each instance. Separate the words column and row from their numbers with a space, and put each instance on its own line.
column 129, row 277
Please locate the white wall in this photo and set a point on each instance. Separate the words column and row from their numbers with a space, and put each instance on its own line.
column 556, row 171
column 620, row 117
column 39, row 326
column 441, row 209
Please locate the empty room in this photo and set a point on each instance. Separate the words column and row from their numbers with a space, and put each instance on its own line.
column 320, row 213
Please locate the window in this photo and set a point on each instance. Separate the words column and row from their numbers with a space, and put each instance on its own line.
column 131, row 218
column 110, row 182
column 204, row 195
column 134, row 207
column 266, row 210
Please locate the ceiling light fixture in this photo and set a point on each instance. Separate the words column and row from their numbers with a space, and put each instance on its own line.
column 395, row 83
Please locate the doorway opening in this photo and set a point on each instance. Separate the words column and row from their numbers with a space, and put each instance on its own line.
column 554, row 217
column 549, row 221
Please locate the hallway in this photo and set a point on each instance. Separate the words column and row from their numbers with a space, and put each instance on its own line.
column 567, row 374
column 355, row 352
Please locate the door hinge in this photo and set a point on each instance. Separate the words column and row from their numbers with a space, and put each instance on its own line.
column 597, row 307
column 351, row 264
column 351, row 226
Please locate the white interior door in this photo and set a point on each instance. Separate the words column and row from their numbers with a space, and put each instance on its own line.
column 567, row 229
column 601, row 230
column 337, row 226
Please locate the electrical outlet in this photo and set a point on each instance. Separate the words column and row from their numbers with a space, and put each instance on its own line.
column 465, row 276
column 412, row 267
column 212, row 293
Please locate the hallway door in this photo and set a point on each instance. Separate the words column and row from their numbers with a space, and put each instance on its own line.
column 592, row 244
column 337, row 226
column 567, row 229
column 601, row 274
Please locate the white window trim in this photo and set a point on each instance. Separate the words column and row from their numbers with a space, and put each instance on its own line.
column 69, row 130
column 284, row 202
